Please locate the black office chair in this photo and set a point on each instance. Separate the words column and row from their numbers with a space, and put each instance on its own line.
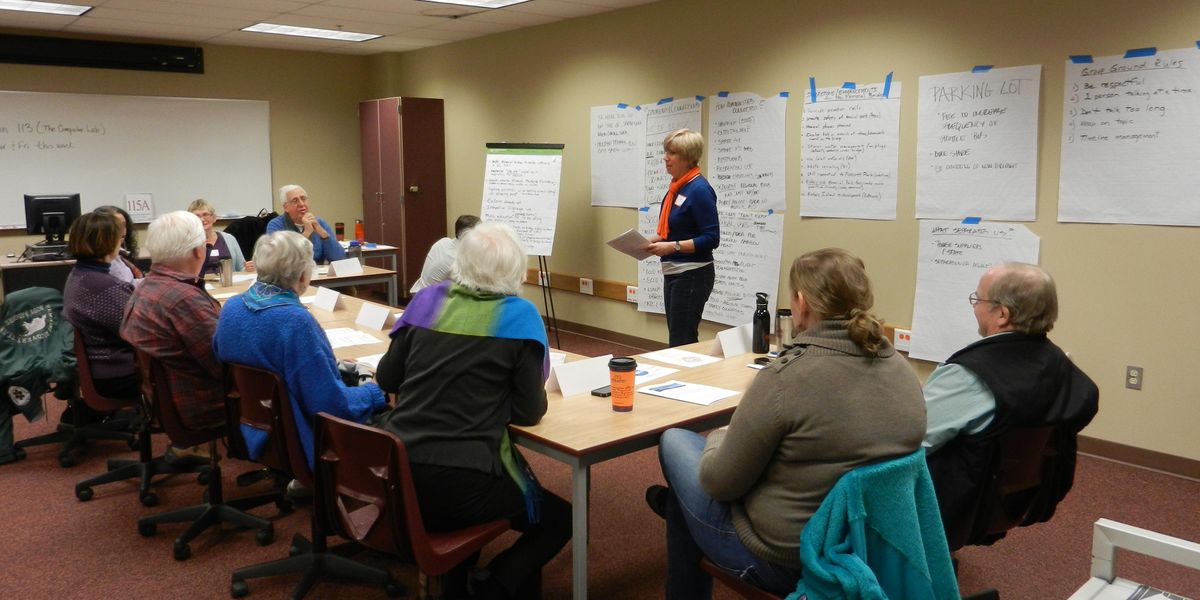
column 215, row 509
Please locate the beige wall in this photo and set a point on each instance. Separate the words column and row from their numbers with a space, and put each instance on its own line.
column 1125, row 290
column 314, row 115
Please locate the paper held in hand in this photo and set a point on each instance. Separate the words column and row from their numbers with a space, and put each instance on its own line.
column 632, row 243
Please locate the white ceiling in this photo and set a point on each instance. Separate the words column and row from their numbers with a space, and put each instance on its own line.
column 404, row 24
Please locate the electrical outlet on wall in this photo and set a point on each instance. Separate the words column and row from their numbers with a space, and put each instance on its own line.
column 903, row 339
column 585, row 286
column 631, row 293
column 1134, row 376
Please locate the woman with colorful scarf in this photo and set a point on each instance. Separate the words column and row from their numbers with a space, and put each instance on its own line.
column 468, row 357
column 688, row 232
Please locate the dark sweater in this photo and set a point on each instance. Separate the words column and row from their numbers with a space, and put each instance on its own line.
column 456, row 394
column 94, row 302
column 695, row 219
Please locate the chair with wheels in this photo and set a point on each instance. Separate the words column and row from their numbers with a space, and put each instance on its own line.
column 146, row 466
column 264, row 407
column 365, row 482
column 215, row 509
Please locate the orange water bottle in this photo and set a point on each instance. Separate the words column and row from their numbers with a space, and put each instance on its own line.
column 359, row 234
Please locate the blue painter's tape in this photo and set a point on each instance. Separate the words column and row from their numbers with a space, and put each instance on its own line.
column 887, row 85
column 1081, row 59
column 622, row 105
column 722, row 94
column 644, row 209
column 770, row 211
column 849, row 85
column 1141, row 52
column 638, row 107
column 981, row 68
column 666, row 100
column 971, row 221
column 785, row 94
column 812, row 88
column 699, row 98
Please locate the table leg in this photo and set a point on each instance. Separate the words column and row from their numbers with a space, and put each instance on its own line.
column 392, row 291
column 580, row 482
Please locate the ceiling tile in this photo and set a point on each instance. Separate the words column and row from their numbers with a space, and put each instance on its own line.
column 23, row 20
column 147, row 18
column 191, row 8
column 156, row 31
column 365, row 16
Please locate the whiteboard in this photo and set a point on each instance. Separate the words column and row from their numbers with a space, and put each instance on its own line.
column 104, row 147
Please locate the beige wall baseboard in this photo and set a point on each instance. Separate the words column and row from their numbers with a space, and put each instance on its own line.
column 1140, row 457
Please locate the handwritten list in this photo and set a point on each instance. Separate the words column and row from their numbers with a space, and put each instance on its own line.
column 617, row 138
column 1129, row 145
column 977, row 144
column 951, row 258
column 746, row 151
column 520, row 189
column 746, row 262
column 849, row 148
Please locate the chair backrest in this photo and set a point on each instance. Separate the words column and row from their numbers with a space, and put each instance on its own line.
column 94, row 399
column 365, row 486
column 156, row 388
column 1007, row 498
column 264, row 405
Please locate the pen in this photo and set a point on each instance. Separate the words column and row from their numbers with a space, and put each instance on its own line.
column 669, row 386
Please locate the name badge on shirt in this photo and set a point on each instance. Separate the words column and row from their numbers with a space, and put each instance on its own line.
column 214, row 252
column 679, row 200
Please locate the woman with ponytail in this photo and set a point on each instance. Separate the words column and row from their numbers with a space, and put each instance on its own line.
column 838, row 398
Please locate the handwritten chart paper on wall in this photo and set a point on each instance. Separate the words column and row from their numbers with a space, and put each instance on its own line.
column 950, row 260
column 104, row 147
column 746, row 262
column 661, row 120
column 977, row 145
column 1130, row 152
column 618, row 134
column 850, row 150
column 746, row 151
column 520, row 189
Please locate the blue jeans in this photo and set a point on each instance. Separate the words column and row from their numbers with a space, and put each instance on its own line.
column 684, row 296
column 698, row 526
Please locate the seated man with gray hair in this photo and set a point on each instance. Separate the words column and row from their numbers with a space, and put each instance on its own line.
column 297, row 217
column 267, row 327
column 1013, row 377
column 171, row 318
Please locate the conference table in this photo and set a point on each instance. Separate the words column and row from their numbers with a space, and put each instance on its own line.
column 368, row 276
column 583, row 430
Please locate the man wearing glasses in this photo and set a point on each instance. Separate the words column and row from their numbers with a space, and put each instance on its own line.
column 1013, row 377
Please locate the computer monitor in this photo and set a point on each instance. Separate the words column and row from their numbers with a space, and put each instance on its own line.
column 51, row 214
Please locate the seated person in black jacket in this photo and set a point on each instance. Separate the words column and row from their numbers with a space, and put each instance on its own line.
column 468, row 357
column 1013, row 377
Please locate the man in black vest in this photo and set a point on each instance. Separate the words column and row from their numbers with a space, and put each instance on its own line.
column 1013, row 377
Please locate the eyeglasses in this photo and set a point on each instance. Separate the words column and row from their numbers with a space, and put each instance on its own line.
column 975, row 299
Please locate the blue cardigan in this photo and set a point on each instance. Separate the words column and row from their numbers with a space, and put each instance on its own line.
column 327, row 249
column 878, row 535
column 280, row 335
column 695, row 219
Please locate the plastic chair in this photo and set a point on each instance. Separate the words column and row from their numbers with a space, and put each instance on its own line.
column 264, row 405
column 147, row 466
column 364, row 478
column 215, row 509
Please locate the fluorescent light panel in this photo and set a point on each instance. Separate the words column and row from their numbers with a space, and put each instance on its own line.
column 329, row 34
column 479, row 3
column 52, row 8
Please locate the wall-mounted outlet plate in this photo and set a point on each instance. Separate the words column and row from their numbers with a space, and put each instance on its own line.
column 631, row 293
column 903, row 339
column 585, row 286
column 1134, row 376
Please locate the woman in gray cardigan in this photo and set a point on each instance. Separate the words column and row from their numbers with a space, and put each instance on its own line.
column 838, row 398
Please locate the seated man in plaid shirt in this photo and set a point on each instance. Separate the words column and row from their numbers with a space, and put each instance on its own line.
column 172, row 318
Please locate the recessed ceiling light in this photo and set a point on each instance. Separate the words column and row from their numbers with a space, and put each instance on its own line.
column 53, row 8
column 479, row 3
column 329, row 34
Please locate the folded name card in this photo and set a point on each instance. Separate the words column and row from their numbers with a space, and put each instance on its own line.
column 579, row 376
column 327, row 299
column 346, row 266
column 372, row 316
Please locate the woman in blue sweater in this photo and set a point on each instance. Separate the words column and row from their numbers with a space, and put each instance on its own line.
column 267, row 327
column 688, row 232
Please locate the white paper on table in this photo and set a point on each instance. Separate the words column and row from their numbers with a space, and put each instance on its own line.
column 558, row 358
column 580, row 376
column 734, row 341
column 371, row 361
column 688, row 392
column 308, row 299
column 208, row 286
column 343, row 337
column 240, row 277
column 327, row 299
column 397, row 315
column 372, row 316
column 320, row 270
column 346, row 266
column 682, row 358
column 224, row 295
column 646, row 373
column 632, row 243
